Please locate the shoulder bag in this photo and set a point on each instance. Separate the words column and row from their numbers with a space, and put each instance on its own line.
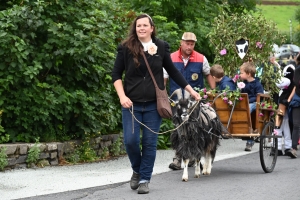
column 162, row 99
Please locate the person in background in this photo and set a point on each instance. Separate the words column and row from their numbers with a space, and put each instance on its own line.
column 138, row 96
column 252, row 88
column 282, row 126
column 222, row 81
column 278, row 67
column 294, row 109
column 194, row 67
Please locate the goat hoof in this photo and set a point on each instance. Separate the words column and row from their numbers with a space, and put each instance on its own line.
column 197, row 176
column 184, row 179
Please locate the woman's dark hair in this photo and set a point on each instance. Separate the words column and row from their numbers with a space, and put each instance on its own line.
column 132, row 42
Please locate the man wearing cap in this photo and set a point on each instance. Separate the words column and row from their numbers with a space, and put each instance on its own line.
column 193, row 66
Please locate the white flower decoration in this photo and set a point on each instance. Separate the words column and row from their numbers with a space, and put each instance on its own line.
column 152, row 49
column 241, row 85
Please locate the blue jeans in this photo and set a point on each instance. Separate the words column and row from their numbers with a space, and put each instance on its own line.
column 142, row 160
column 252, row 108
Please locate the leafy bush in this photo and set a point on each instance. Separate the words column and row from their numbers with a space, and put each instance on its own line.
column 33, row 154
column 3, row 137
column 55, row 63
column 197, row 16
column 163, row 141
column 86, row 152
column 116, row 148
column 3, row 158
column 105, row 153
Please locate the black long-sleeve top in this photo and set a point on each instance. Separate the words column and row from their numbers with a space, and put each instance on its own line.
column 138, row 84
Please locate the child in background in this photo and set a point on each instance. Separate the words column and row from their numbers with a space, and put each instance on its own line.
column 252, row 88
column 222, row 81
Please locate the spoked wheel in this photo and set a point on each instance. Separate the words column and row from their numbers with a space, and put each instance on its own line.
column 268, row 148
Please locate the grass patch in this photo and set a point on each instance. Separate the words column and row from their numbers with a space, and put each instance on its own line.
column 280, row 15
column 284, row 0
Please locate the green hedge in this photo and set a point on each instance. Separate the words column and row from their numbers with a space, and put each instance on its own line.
column 55, row 64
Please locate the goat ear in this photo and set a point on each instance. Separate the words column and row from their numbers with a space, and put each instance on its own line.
column 187, row 95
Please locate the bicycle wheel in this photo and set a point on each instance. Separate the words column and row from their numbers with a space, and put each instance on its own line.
column 268, row 148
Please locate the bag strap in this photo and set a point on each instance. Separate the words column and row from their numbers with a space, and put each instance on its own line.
column 149, row 69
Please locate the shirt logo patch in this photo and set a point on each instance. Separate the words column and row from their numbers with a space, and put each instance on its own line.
column 194, row 76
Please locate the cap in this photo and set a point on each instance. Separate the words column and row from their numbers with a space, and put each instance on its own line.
column 189, row 36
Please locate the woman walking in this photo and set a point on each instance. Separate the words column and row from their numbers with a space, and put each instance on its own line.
column 138, row 95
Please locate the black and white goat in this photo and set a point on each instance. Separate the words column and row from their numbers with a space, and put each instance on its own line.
column 197, row 134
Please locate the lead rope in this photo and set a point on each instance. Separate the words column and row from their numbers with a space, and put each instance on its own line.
column 158, row 132
column 133, row 117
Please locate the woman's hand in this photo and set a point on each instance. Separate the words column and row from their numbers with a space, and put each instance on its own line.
column 195, row 95
column 125, row 102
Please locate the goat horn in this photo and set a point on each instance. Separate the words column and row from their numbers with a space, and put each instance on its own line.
column 178, row 93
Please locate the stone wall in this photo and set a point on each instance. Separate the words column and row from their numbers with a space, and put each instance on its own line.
column 52, row 153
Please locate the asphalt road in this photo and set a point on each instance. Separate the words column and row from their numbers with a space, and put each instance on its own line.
column 235, row 175
column 236, row 178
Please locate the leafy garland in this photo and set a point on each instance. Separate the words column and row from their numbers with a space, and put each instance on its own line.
column 269, row 106
column 227, row 95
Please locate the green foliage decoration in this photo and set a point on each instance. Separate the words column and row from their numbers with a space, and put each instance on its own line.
column 3, row 158
column 268, row 107
column 55, row 64
column 228, row 29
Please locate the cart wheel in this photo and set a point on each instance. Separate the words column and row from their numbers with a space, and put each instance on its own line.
column 268, row 148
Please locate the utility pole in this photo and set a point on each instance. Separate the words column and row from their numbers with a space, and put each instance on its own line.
column 291, row 31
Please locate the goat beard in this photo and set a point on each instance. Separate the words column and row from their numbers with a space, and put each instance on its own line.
column 192, row 138
column 188, row 141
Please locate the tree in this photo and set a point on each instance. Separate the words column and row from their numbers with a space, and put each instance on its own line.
column 241, row 6
column 261, row 34
column 297, row 31
column 55, row 63
column 180, row 16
